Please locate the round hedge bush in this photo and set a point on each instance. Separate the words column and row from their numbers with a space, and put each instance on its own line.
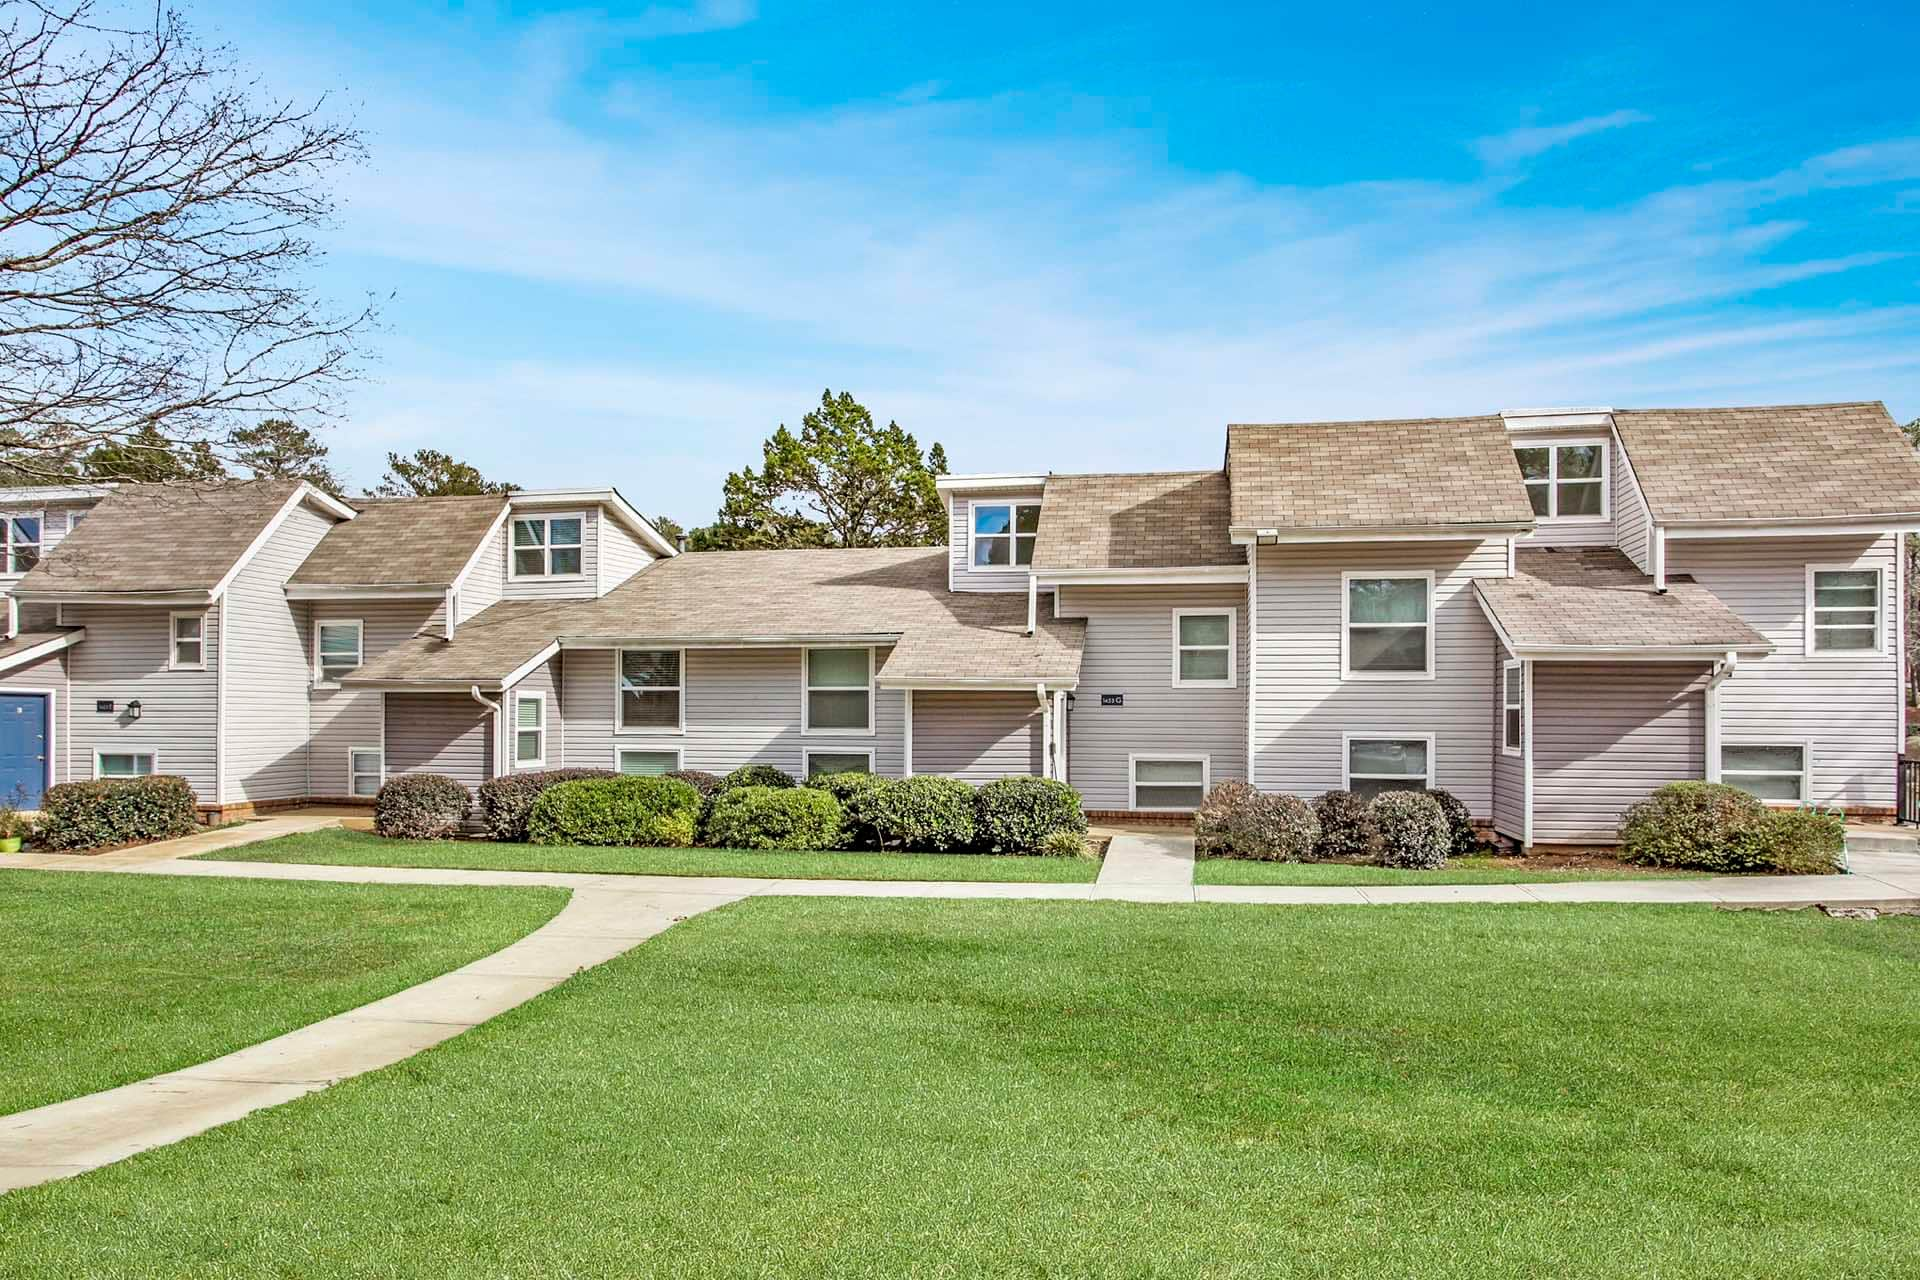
column 420, row 806
column 1275, row 827
column 797, row 818
column 858, row 794
column 506, row 803
column 925, row 814
column 1213, row 821
column 1014, row 815
column 1693, row 824
column 755, row 775
column 1460, row 833
column 1803, row 841
column 620, row 810
column 110, row 811
column 1347, row 830
column 1413, row 830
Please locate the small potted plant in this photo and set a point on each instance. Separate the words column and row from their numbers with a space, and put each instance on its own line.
column 13, row 826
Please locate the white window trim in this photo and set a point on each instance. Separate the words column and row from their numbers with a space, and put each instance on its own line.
column 359, row 626
column 1506, row 748
column 174, row 641
column 622, row 748
column 1013, row 535
column 150, row 752
column 620, row 724
column 539, row 761
column 1383, row 735
column 806, row 718
column 1160, row 757
column 807, row 755
column 353, row 775
column 1552, row 481
column 546, row 519
column 1806, row 766
column 6, row 540
column 1346, row 625
column 1233, row 648
column 1879, row 649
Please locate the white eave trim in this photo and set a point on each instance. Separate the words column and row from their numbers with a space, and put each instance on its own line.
column 304, row 494
column 451, row 684
column 198, row 596
column 1381, row 533
column 383, row 591
column 962, row 684
column 45, row 648
column 1859, row 526
column 611, row 499
column 59, row 493
column 1199, row 573
column 852, row 640
column 480, row 551
column 989, row 483
column 528, row 667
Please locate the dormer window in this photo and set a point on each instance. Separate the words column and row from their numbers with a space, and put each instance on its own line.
column 22, row 543
column 1566, row 481
column 547, row 546
column 1004, row 533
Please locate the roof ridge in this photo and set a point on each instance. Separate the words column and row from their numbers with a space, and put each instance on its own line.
column 1756, row 408
column 1129, row 475
column 1355, row 422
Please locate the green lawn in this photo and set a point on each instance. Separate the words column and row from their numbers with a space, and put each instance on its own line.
column 105, row 979
column 361, row 849
column 819, row 1087
column 1468, row 870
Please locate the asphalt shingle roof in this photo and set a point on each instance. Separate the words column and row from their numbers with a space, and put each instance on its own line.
column 402, row 541
column 1771, row 462
column 1595, row 597
column 156, row 538
column 1142, row 521
column 1417, row 472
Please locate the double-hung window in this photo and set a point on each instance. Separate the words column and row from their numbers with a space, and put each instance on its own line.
column 1843, row 611
column 650, row 692
column 366, row 769
column 839, row 691
column 1382, row 764
column 188, row 651
column 336, row 648
column 1004, row 533
column 1387, row 626
column 547, row 546
column 1203, row 655
column 1169, row 782
column 22, row 537
column 529, row 729
column 1566, row 481
column 1776, row 771
column 1513, row 706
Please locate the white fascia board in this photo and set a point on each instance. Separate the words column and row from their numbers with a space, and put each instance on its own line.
column 326, row 502
column 450, row 685
column 862, row 639
column 382, row 591
column 306, row 493
column 116, row 597
column 996, row 684
column 611, row 499
column 1855, row 526
column 480, row 551
column 44, row 649
column 1410, row 533
column 1175, row 574
column 57, row 493
column 1499, row 631
column 1554, row 419
column 989, row 482
column 1637, row 653
column 528, row 667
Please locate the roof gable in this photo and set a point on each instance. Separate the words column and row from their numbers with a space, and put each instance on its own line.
column 1148, row 520
column 403, row 542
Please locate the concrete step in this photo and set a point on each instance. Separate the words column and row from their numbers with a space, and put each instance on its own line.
column 1883, row 840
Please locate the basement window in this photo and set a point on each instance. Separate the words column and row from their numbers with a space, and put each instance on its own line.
column 1773, row 771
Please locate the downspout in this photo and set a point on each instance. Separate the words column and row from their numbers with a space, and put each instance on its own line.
column 1033, row 602
column 1253, row 653
column 1046, row 728
column 1660, row 559
column 494, row 708
column 1722, row 670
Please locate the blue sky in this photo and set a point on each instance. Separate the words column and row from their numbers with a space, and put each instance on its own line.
column 622, row 244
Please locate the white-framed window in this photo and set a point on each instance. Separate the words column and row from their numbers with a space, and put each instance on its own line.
column 1770, row 770
column 650, row 691
column 1203, row 649
column 1386, row 625
column 1003, row 534
column 1168, row 782
column 20, row 540
column 838, row 692
column 529, row 729
column 366, row 771
column 187, row 647
column 1567, row 479
column 336, row 648
column 646, row 762
column 823, row 762
column 1513, row 707
column 125, row 764
column 547, row 546
column 1844, row 611
column 1378, row 762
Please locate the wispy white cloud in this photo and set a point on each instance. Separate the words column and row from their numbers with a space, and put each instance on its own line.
column 1504, row 149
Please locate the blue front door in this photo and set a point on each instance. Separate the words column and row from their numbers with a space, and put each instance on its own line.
column 23, row 749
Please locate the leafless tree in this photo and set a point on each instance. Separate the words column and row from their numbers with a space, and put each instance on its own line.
column 156, row 211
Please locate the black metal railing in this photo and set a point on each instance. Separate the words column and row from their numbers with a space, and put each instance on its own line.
column 1908, row 805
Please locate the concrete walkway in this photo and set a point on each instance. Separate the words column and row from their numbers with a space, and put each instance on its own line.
column 1147, row 868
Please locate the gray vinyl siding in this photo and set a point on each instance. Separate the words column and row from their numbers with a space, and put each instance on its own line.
column 1303, row 707
column 486, row 585
column 1632, row 521
column 1845, row 709
column 621, row 555
column 1509, row 772
column 446, row 733
column 960, row 523
column 545, row 678
column 1606, row 735
column 742, row 707
column 1554, row 533
column 977, row 737
column 1129, row 651
column 48, row 675
column 124, row 657
column 583, row 586
column 267, row 677
column 343, row 719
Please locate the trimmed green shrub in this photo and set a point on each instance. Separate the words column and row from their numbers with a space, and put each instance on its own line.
column 925, row 814
column 798, row 818
column 700, row 780
column 1461, row 836
column 1413, row 830
column 90, row 815
column 1801, row 842
column 1013, row 815
column 1347, row 830
column 1065, row 844
column 755, row 775
column 1214, row 820
column 1275, row 827
column 506, row 803
column 619, row 810
column 1692, row 824
column 859, row 795
column 421, row 806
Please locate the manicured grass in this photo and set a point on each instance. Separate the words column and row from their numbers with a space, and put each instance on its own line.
column 1457, row 871
column 808, row 1087
column 361, row 849
column 106, row 979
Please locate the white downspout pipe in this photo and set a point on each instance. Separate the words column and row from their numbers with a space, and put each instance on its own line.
column 906, row 753
column 1033, row 603
column 1046, row 729
column 1722, row 671
column 1660, row 559
column 1060, row 769
column 499, row 750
